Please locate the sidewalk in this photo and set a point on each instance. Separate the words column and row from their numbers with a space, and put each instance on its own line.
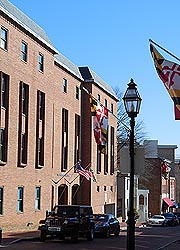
column 12, row 237
column 124, row 225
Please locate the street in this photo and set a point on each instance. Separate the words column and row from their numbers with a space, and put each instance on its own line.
column 153, row 238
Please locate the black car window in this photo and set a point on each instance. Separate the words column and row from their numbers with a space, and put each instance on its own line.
column 103, row 218
column 68, row 211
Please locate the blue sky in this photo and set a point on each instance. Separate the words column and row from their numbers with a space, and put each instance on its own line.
column 112, row 38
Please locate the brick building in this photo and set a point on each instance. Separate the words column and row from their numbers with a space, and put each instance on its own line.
column 46, row 127
column 153, row 179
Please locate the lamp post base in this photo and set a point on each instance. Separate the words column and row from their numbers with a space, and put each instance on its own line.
column 131, row 234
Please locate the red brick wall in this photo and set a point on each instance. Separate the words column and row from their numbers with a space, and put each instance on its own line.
column 151, row 180
column 50, row 82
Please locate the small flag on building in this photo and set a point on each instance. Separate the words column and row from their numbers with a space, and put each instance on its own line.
column 92, row 175
column 83, row 172
column 100, row 123
column 165, row 169
column 169, row 73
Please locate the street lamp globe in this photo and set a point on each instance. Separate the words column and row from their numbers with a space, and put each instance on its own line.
column 132, row 99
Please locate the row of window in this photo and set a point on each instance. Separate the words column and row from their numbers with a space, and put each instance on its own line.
column 104, row 188
column 24, row 56
column 40, row 126
column 24, row 49
column 40, row 130
column 20, row 199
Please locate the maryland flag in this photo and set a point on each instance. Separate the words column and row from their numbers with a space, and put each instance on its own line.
column 100, row 123
column 165, row 169
column 169, row 73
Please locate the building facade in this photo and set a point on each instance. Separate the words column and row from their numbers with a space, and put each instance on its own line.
column 155, row 192
column 46, row 127
column 160, row 186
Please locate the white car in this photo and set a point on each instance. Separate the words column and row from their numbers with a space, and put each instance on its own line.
column 157, row 220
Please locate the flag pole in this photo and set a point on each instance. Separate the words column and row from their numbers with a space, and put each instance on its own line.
column 151, row 41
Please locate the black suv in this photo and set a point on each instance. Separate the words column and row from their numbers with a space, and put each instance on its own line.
column 68, row 221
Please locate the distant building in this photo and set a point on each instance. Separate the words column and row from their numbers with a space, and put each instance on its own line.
column 151, row 185
column 160, row 186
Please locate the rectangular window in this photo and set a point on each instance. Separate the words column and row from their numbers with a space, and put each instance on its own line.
column 106, row 157
column 105, row 103
column 20, row 199
column 112, row 151
column 64, row 158
column 23, row 124
column 41, row 62
column 24, row 149
column 77, row 92
column 38, row 198
column 1, row 200
column 40, row 129
column 98, row 160
column 25, row 98
column 41, row 106
column 2, row 144
column 112, row 108
column 99, row 97
column 77, row 139
column 4, row 36
column 4, row 81
column 52, row 197
column 4, row 111
column 65, row 85
column 24, row 51
column 41, row 151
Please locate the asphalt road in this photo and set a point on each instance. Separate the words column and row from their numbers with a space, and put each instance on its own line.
column 146, row 238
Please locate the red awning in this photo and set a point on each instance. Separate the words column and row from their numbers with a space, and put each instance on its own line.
column 168, row 202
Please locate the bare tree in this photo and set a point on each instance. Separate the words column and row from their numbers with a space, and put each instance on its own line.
column 123, row 128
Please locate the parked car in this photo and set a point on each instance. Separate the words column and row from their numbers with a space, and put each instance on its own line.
column 178, row 215
column 68, row 221
column 157, row 220
column 106, row 224
column 172, row 219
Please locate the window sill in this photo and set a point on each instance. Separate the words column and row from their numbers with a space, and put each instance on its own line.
column 2, row 163
column 39, row 166
column 23, row 165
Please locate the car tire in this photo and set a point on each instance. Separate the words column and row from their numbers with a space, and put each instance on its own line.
column 43, row 236
column 117, row 232
column 74, row 237
column 90, row 235
column 107, row 235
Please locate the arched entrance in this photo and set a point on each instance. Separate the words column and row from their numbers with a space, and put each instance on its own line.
column 143, row 204
column 63, row 195
column 74, row 198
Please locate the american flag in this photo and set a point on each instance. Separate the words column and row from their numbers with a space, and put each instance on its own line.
column 80, row 170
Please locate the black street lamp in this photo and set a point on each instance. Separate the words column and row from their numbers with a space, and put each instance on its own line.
column 132, row 102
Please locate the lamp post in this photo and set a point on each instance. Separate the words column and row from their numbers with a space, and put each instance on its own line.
column 132, row 102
